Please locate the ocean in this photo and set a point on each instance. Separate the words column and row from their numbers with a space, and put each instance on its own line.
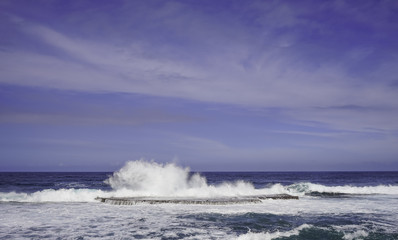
column 331, row 205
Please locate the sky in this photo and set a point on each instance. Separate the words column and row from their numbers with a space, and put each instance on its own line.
column 214, row 85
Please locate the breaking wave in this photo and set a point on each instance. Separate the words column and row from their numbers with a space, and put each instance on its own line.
column 150, row 179
column 331, row 191
column 312, row 232
column 273, row 235
column 51, row 195
column 158, row 180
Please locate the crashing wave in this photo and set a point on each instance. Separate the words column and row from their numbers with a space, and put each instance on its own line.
column 149, row 179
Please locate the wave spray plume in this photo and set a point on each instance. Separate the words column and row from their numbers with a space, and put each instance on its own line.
column 142, row 178
column 150, row 179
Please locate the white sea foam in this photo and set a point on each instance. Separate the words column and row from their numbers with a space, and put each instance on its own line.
column 152, row 178
column 352, row 232
column 51, row 195
column 351, row 235
column 303, row 188
column 168, row 180
column 273, row 235
column 360, row 234
column 143, row 178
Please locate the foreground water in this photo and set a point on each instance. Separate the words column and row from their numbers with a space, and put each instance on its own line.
column 332, row 205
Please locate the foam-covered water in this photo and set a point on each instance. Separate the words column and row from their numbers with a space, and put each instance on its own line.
column 331, row 205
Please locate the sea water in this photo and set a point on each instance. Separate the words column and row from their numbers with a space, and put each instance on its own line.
column 331, row 205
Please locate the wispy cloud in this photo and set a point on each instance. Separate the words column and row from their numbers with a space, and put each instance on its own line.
column 281, row 55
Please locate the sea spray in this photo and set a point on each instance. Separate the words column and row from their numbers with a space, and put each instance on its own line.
column 309, row 188
column 143, row 178
column 273, row 235
column 150, row 179
column 155, row 178
column 365, row 216
column 51, row 195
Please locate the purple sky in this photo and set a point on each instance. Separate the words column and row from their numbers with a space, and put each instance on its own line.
column 213, row 85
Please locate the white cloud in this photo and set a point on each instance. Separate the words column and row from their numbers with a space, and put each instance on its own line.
column 244, row 72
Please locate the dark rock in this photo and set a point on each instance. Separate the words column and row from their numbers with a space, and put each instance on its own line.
column 204, row 201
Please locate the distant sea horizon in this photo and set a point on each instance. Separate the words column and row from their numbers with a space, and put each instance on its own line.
column 331, row 204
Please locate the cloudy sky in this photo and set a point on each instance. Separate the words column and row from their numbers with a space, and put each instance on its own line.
column 212, row 84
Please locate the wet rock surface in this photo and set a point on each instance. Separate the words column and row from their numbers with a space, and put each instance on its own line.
column 204, row 201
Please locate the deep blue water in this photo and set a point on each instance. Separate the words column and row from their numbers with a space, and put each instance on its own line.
column 332, row 205
column 262, row 179
column 36, row 181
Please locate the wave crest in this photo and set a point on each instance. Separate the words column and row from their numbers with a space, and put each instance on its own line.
column 142, row 178
column 273, row 235
column 51, row 195
column 312, row 188
column 149, row 179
